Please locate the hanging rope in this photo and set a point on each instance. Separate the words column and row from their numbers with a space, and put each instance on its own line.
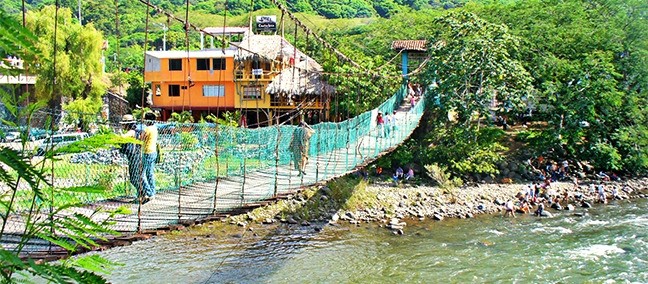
column 140, row 194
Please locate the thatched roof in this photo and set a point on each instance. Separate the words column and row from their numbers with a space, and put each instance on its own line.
column 304, row 79
column 413, row 45
column 266, row 46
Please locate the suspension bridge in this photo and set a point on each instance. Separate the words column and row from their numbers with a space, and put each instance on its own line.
column 211, row 170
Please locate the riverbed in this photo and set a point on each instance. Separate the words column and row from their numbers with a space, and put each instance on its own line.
column 605, row 243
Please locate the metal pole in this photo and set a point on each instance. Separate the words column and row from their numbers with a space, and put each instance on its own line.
column 164, row 29
column 80, row 13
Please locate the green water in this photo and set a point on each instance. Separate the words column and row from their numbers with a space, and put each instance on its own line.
column 607, row 244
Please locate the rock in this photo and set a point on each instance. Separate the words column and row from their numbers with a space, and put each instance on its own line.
column 556, row 206
column 326, row 190
column 570, row 207
column 291, row 220
column 498, row 202
column 469, row 215
column 394, row 221
column 354, row 222
column 324, row 198
column 350, row 215
column 438, row 217
column 305, row 223
column 400, row 232
column 396, row 227
column 241, row 224
column 335, row 217
column 579, row 214
column 268, row 221
column 546, row 214
column 585, row 204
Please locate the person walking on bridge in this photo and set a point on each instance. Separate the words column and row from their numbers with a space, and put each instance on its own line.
column 149, row 137
column 299, row 146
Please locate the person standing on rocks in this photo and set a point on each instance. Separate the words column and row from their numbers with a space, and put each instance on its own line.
column 601, row 193
column 510, row 209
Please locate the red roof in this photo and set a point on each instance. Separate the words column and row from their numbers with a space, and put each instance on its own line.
column 416, row 45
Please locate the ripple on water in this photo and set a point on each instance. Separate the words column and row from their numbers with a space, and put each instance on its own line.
column 594, row 252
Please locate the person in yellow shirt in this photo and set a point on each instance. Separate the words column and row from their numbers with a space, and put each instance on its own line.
column 150, row 137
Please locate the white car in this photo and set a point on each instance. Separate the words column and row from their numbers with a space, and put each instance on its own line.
column 11, row 136
column 57, row 141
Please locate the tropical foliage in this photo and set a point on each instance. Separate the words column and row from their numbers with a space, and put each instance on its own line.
column 25, row 180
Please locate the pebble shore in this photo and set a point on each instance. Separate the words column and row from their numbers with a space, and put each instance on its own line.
column 394, row 206
column 421, row 202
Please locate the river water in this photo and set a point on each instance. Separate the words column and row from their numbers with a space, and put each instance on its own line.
column 607, row 244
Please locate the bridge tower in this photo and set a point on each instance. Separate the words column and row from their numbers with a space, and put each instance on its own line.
column 412, row 53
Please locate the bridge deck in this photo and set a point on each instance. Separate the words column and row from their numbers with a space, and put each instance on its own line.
column 202, row 199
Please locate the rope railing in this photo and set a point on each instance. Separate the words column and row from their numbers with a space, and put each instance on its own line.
column 252, row 165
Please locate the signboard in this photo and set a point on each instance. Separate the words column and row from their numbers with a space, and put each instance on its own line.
column 266, row 23
column 257, row 72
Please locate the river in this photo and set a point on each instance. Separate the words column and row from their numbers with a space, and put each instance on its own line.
column 608, row 243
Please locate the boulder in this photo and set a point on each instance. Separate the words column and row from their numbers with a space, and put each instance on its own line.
column 326, row 190
column 570, row 207
column 546, row 214
column 438, row 217
column 585, row 204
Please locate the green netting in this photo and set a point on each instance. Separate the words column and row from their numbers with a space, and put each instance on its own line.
column 249, row 164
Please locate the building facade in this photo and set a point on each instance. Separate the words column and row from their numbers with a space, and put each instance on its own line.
column 264, row 77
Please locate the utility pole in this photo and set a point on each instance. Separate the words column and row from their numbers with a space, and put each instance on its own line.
column 80, row 13
column 164, row 30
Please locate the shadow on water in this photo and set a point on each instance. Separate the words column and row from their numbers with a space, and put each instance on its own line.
column 269, row 248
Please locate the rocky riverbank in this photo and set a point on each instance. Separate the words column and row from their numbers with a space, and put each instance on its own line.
column 357, row 202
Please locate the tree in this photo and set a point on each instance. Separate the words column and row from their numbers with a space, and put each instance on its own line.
column 473, row 62
column 77, row 53
column 25, row 182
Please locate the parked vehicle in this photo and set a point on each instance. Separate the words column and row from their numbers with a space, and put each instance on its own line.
column 11, row 136
column 58, row 141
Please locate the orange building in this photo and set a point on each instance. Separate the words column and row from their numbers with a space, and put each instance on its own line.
column 267, row 79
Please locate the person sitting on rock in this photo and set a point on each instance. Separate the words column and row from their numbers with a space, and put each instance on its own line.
column 395, row 178
column 603, row 176
column 399, row 172
column 539, row 210
column 615, row 193
column 524, row 207
column 410, row 174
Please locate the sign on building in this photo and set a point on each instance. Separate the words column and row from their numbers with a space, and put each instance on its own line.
column 266, row 23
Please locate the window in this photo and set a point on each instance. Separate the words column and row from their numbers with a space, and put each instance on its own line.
column 213, row 91
column 174, row 90
column 202, row 64
column 267, row 66
column 219, row 64
column 158, row 92
column 175, row 64
column 252, row 92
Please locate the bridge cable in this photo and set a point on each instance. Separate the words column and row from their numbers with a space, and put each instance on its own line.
column 140, row 189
